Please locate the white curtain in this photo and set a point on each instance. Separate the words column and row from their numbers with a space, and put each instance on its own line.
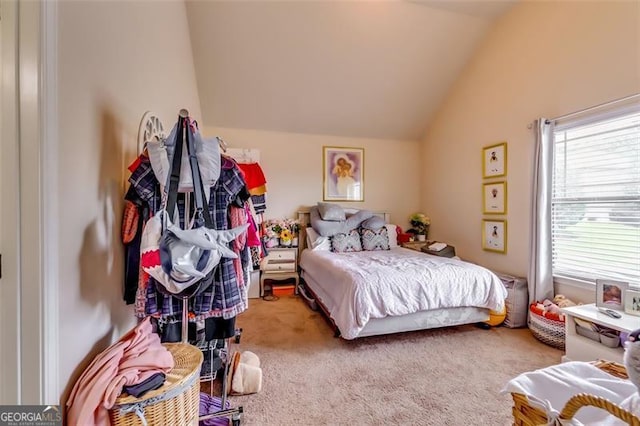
column 540, row 277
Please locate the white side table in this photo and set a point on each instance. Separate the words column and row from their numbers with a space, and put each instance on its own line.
column 280, row 264
column 580, row 348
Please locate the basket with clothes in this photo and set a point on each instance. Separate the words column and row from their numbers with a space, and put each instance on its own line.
column 176, row 402
column 160, row 383
column 575, row 393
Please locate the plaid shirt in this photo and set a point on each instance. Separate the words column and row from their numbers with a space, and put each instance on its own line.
column 223, row 298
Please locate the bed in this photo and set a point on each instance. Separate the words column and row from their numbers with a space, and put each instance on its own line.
column 380, row 292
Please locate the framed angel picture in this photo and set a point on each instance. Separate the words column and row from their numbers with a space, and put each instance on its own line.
column 343, row 174
column 494, row 196
column 494, row 160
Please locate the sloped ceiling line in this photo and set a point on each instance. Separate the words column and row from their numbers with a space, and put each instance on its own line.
column 353, row 69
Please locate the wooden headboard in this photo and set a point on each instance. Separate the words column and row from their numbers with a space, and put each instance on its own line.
column 303, row 218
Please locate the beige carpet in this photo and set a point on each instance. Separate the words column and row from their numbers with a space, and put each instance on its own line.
column 449, row 376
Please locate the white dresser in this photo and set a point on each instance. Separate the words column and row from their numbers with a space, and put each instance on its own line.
column 280, row 264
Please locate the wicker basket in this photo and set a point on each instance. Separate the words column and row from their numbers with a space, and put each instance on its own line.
column 526, row 415
column 547, row 326
column 176, row 403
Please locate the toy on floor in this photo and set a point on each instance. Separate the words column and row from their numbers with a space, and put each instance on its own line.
column 245, row 375
column 496, row 317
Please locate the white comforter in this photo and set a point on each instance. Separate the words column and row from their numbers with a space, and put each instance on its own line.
column 376, row 284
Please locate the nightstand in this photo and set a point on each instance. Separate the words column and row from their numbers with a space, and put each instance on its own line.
column 280, row 264
column 416, row 245
column 448, row 251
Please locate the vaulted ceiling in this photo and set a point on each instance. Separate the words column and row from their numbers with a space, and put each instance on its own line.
column 373, row 69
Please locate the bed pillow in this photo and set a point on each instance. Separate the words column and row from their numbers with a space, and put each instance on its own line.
column 331, row 212
column 375, row 223
column 317, row 243
column 341, row 243
column 392, row 232
column 373, row 240
column 328, row 228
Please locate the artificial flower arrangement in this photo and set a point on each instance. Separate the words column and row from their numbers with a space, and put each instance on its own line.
column 420, row 224
column 284, row 229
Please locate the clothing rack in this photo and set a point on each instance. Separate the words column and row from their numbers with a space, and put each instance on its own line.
column 151, row 127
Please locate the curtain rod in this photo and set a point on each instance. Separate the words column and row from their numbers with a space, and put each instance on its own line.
column 582, row 111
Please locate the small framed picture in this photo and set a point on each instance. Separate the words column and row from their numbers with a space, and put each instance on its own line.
column 494, row 160
column 610, row 294
column 632, row 302
column 494, row 195
column 494, row 235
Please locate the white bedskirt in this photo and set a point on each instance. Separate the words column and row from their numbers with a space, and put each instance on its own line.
column 361, row 286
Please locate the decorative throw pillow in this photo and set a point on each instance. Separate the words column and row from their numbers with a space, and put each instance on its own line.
column 350, row 241
column 375, row 239
column 332, row 212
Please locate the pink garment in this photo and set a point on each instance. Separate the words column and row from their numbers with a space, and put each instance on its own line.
column 238, row 217
column 252, row 232
column 131, row 360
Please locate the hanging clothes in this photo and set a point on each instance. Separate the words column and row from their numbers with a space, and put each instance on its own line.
column 224, row 298
column 254, row 176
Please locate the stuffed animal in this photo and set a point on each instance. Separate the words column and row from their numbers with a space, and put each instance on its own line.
column 562, row 301
column 632, row 357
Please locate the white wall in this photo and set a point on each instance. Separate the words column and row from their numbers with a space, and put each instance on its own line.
column 116, row 60
column 292, row 164
column 541, row 59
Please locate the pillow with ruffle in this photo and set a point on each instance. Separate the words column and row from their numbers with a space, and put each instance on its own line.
column 342, row 243
column 317, row 243
column 373, row 240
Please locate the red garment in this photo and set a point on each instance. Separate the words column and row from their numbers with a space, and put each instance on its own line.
column 137, row 356
column 254, row 177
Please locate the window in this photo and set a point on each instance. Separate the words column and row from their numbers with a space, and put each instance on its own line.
column 595, row 207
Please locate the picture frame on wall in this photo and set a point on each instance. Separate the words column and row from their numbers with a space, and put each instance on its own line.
column 494, row 198
column 610, row 294
column 494, row 160
column 632, row 302
column 343, row 173
column 494, row 235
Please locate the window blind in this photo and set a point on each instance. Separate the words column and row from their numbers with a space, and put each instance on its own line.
column 595, row 208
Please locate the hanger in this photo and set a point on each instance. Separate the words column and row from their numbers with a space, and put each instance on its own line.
column 223, row 144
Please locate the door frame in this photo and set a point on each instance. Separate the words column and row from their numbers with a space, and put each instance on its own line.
column 30, row 321
column 9, row 243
